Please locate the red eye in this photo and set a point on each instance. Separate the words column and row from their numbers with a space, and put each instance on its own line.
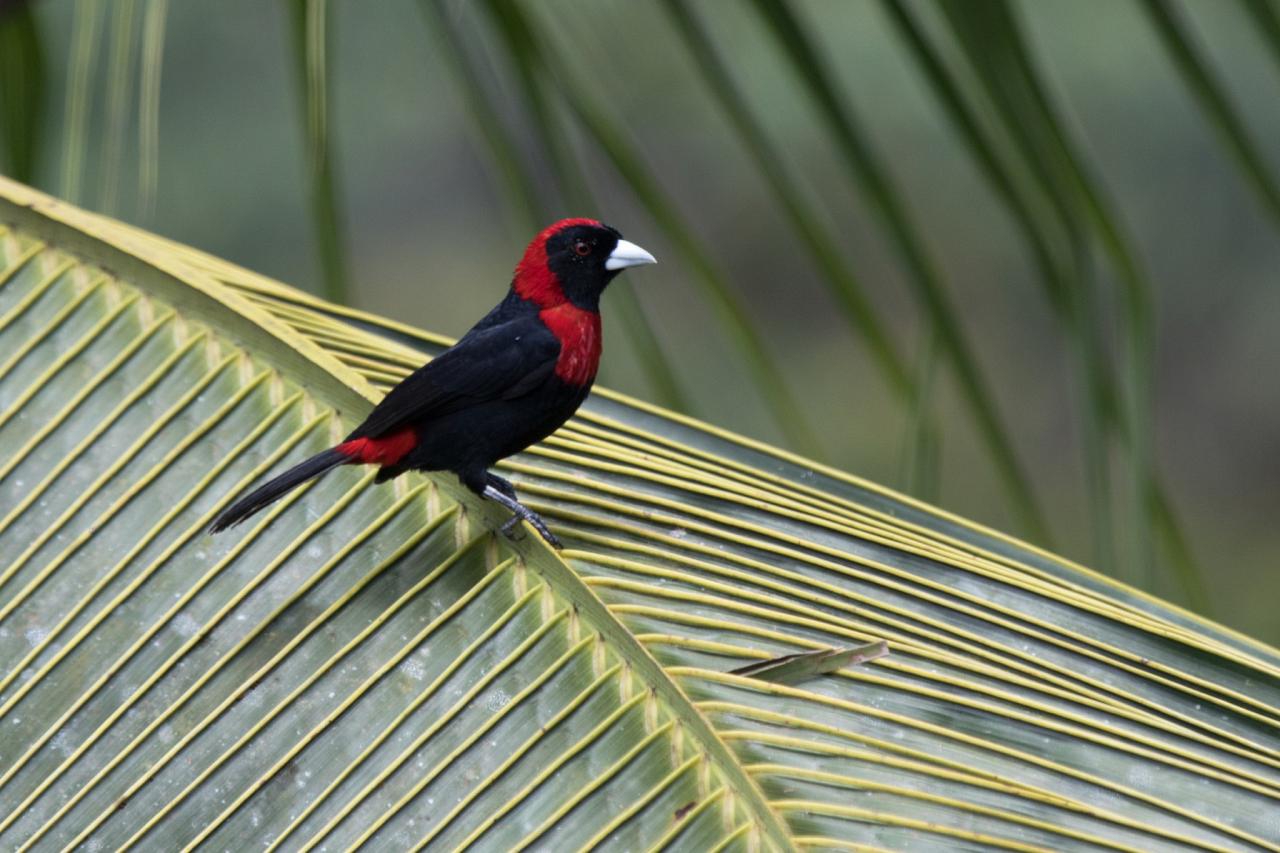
column 581, row 248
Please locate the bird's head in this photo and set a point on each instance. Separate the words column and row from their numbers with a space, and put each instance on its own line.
column 572, row 261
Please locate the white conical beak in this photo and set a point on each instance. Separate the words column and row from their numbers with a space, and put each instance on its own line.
column 628, row 254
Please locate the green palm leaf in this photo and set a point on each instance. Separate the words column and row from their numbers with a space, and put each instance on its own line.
column 22, row 84
column 372, row 664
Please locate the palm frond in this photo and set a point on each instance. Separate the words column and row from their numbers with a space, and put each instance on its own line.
column 1213, row 100
column 310, row 34
column 371, row 664
column 119, row 91
column 991, row 38
column 153, row 27
column 76, row 117
column 865, row 168
column 22, row 91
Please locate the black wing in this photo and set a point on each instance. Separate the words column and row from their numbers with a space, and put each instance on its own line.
column 502, row 361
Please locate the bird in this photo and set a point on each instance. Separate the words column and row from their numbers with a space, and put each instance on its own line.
column 513, row 379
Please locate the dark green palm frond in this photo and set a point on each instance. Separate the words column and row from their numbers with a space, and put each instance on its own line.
column 989, row 34
column 310, row 35
column 1201, row 83
column 119, row 93
column 865, row 168
column 78, row 102
column 23, row 75
column 153, row 26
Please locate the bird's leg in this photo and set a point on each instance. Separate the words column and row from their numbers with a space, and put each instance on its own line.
column 501, row 485
column 519, row 513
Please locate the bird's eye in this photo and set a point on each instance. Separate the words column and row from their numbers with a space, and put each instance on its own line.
column 581, row 248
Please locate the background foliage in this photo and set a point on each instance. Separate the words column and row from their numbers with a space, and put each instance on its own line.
column 1018, row 258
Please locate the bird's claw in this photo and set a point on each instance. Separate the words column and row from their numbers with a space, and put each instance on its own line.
column 519, row 512
column 511, row 528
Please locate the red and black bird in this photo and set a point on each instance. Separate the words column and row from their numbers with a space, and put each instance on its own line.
column 512, row 380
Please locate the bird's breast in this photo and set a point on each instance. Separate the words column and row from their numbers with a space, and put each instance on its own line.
column 578, row 331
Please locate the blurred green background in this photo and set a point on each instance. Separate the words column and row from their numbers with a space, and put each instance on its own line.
column 1077, row 192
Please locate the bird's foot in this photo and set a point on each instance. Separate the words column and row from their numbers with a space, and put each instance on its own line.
column 511, row 529
column 519, row 513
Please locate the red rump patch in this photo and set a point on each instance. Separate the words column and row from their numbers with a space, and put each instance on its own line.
column 579, row 334
column 534, row 280
column 387, row 450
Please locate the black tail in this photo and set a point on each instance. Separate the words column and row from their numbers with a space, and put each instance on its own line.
column 269, row 491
